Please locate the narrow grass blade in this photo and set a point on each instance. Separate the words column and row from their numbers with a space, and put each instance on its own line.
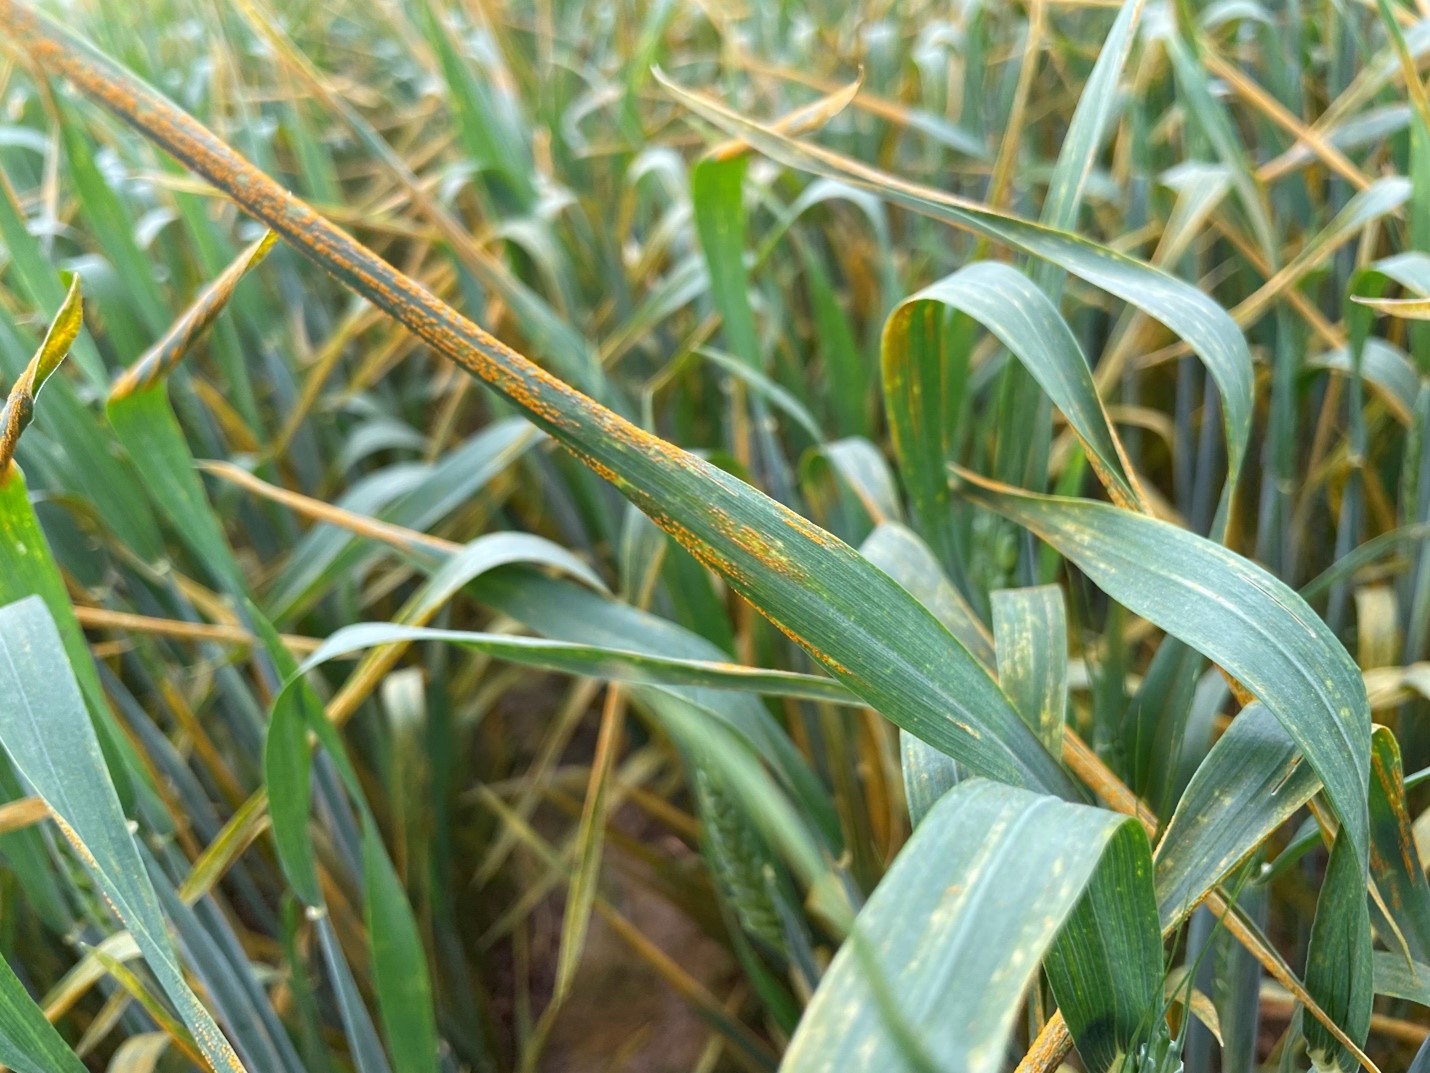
column 28, row 1042
column 551, row 336
column 286, row 765
column 846, row 373
column 590, row 841
column 37, row 280
column 45, row 730
column 717, row 190
column 141, row 307
column 145, row 423
column 1095, row 107
column 60, row 336
column 897, row 550
column 486, row 125
column 88, row 463
column 363, row 1043
column 130, row 983
column 710, row 745
column 482, row 555
column 231, row 984
column 399, row 963
column 165, row 355
column 414, row 496
column 765, row 389
column 1216, row 126
column 928, row 774
column 400, row 974
column 1404, row 308
column 1338, row 961
column 1106, row 965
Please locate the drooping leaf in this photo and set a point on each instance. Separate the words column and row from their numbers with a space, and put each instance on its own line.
column 593, row 661
column 1205, row 326
column 919, row 374
column 1253, row 780
column 1235, row 614
column 572, row 613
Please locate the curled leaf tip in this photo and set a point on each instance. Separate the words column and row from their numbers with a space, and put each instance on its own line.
column 64, row 330
column 164, row 356
column 1404, row 308
column 20, row 405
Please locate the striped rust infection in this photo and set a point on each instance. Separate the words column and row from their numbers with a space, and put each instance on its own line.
column 646, row 469
column 164, row 356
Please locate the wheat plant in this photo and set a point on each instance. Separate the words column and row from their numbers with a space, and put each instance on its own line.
column 667, row 535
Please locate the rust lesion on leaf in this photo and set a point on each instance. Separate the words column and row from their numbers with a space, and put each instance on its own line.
column 818, row 653
column 717, row 530
column 1387, row 773
column 164, row 356
column 813, row 533
column 768, row 550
